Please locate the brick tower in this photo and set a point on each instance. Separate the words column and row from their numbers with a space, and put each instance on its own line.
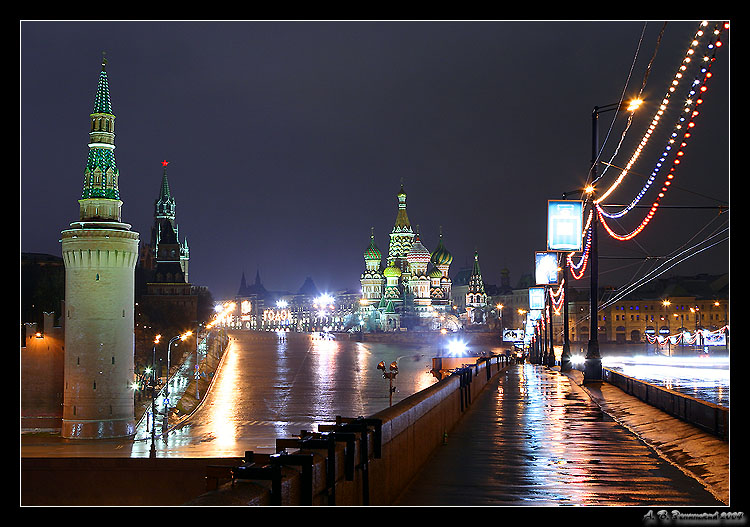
column 99, row 253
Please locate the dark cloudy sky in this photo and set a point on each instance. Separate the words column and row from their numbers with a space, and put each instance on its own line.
column 287, row 141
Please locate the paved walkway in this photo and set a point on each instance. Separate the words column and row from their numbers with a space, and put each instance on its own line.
column 536, row 437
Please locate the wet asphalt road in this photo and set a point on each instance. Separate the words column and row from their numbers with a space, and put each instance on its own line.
column 271, row 387
column 535, row 438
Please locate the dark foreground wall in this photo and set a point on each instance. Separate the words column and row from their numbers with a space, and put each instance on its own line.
column 398, row 441
column 114, row 481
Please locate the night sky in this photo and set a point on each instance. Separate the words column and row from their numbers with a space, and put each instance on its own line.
column 288, row 141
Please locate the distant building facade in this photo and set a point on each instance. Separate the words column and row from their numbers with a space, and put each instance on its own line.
column 307, row 310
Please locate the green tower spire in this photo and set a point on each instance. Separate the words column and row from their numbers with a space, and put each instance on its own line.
column 100, row 199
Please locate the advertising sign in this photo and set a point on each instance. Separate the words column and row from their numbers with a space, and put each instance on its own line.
column 513, row 335
column 536, row 297
column 564, row 225
column 714, row 339
column 546, row 268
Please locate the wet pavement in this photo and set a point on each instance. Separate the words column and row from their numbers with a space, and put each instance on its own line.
column 537, row 438
column 269, row 386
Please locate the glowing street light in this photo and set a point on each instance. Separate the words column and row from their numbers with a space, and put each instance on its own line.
column 592, row 371
column 390, row 375
column 181, row 337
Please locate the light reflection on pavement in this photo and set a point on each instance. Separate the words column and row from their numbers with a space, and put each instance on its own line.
column 705, row 378
column 270, row 387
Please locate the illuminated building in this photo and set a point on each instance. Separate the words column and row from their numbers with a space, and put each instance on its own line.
column 307, row 310
column 476, row 297
column 406, row 292
column 164, row 222
column 99, row 253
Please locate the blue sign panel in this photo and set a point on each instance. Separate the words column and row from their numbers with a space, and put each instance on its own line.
column 564, row 225
column 546, row 268
column 536, row 298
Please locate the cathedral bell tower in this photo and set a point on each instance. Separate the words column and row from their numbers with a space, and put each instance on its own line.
column 99, row 253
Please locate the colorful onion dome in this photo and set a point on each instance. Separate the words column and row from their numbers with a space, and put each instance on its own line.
column 418, row 252
column 441, row 256
column 391, row 271
column 372, row 252
column 436, row 273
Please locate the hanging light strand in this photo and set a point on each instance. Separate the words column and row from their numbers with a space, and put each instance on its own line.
column 690, row 103
column 678, row 159
column 656, row 119
column 578, row 269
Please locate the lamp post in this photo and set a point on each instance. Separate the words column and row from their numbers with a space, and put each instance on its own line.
column 666, row 304
column 152, row 452
column 390, row 375
column 551, row 355
column 182, row 337
column 592, row 371
column 565, row 362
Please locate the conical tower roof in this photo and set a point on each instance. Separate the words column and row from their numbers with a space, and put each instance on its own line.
column 165, row 205
column 402, row 219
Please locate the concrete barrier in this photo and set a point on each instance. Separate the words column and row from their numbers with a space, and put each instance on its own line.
column 708, row 416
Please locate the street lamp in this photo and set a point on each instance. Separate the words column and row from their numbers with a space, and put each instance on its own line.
column 666, row 304
column 592, row 371
column 390, row 375
column 182, row 337
column 152, row 452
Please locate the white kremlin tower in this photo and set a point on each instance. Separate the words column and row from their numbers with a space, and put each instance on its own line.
column 100, row 253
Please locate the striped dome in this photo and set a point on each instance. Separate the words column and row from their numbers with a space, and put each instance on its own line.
column 372, row 252
column 441, row 256
column 418, row 252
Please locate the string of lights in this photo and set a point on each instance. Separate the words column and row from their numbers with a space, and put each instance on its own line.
column 703, row 87
column 689, row 105
column 577, row 270
column 690, row 338
column 655, row 121
column 557, row 297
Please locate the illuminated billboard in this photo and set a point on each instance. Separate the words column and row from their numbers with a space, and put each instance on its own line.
column 536, row 297
column 546, row 268
column 277, row 316
column 564, row 225
column 513, row 335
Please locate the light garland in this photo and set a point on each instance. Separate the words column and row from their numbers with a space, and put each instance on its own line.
column 690, row 102
column 574, row 268
column 680, row 153
column 662, row 108
column 684, row 335
column 557, row 298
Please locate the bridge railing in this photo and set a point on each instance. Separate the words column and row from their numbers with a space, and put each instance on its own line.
column 708, row 416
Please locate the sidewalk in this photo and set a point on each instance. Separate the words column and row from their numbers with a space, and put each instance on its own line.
column 537, row 437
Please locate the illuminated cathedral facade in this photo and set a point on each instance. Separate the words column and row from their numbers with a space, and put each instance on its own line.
column 411, row 286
